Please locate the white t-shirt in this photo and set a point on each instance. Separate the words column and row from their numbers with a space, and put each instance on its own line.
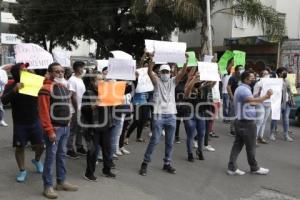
column 76, row 85
column 225, row 80
column 164, row 96
column 3, row 79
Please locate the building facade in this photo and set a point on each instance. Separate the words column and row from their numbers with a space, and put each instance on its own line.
column 230, row 32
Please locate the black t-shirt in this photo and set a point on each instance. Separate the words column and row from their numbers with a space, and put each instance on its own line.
column 24, row 107
column 234, row 83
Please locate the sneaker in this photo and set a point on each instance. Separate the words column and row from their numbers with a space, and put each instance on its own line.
column 236, row 172
column 124, row 151
column 21, row 176
column 119, row 153
column 3, row 123
column 81, row 151
column 200, row 155
column 72, row 154
column 177, row 141
column 195, row 144
column 190, row 157
column 261, row 171
column 50, row 193
column 143, row 170
column 140, row 140
column 38, row 166
column 126, row 141
column 163, row 133
column 168, row 168
column 209, row 148
column 272, row 137
column 115, row 156
column 261, row 141
column 65, row 186
column 109, row 174
column 213, row 135
column 288, row 139
column 91, row 178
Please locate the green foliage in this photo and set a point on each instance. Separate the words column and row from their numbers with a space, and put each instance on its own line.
column 192, row 12
column 41, row 21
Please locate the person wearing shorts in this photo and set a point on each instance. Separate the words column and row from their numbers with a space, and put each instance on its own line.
column 26, row 123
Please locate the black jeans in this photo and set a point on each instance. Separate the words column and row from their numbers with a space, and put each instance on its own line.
column 141, row 116
column 245, row 135
column 93, row 139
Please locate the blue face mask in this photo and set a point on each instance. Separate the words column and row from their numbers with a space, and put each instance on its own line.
column 165, row 77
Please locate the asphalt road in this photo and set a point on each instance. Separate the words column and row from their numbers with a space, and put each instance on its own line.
column 201, row 180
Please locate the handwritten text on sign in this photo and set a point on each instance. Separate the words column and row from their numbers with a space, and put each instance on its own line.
column 36, row 56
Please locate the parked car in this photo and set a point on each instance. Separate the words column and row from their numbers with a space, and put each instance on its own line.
column 295, row 111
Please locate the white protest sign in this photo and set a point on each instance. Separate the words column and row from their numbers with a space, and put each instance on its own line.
column 170, row 52
column 36, row 56
column 149, row 45
column 121, row 69
column 101, row 64
column 274, row 84
column 208, row 58
column 63, row 58
column 121, row 55
column 208, row 71
column 144, row 81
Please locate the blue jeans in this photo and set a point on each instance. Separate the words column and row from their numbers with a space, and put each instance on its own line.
column 262, row 112
column 115, row 133
column 161, row 122
column 225, row 105
column 192, row 125
column 56, row 152
column 285, row 114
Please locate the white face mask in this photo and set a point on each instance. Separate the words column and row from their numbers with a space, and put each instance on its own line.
column 84, row 72
column 61, row 81
column 165, row 77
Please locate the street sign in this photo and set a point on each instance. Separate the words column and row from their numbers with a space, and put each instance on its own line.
column 7, row 38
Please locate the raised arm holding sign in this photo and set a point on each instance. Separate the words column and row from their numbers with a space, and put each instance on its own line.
column 32, row 83
column 170, row 52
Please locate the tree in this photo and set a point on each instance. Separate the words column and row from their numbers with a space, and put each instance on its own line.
column 47, row 23
column 113, row 25
column 194, row 11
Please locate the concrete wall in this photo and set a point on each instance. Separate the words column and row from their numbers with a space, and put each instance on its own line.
column 290, row 57
column 221, row 26
column 230, row 27
column 292, row 10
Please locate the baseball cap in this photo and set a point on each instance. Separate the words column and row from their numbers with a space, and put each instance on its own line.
column 165, row 67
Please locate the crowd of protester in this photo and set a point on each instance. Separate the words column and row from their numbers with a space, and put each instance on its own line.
column 65, row 120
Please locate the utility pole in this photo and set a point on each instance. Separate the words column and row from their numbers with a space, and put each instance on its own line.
column 210, row 50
